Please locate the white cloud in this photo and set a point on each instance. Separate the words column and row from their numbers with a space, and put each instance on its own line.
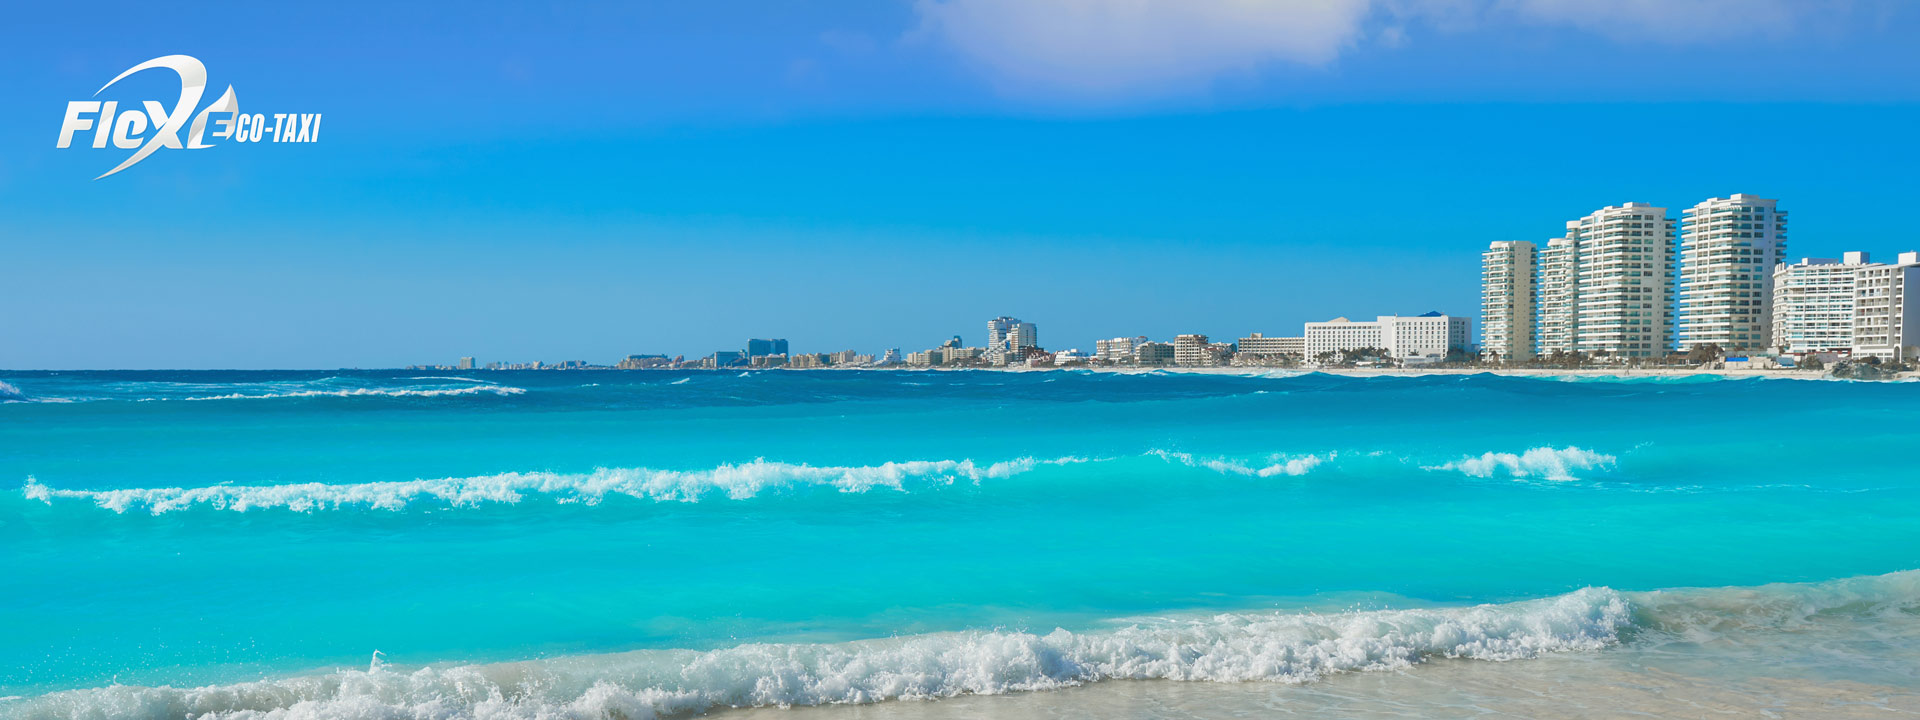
column 1114, row 47
column 1121, row 49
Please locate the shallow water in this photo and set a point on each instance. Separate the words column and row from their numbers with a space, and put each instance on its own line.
column 520, row 544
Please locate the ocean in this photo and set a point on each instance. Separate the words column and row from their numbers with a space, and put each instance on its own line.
column 890, row 544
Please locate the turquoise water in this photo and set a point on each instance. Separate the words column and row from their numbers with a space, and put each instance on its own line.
column 179, row 543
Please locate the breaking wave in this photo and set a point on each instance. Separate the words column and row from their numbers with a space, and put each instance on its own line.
column 1273, row 465
column 1273, row 647
column 738, row 482
column 750, row 479
column 9, row 393
column 1293, row 648
column 1541, row 462
column 376, row 392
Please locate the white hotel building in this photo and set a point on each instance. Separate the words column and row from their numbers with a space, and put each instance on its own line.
column 1605, row 288
column 1258, row 348
column 1728, row 250
column 1886, row 309
column 1507, row 299
column 1813, row 304
column 1118, row 349
column 1191, row 351
column 1426, row 337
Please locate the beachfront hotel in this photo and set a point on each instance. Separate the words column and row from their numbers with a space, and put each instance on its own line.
column 1423, row 338
column 1886, row 309
column 1196, row 350
column 1813, row 302
column 1117, row 350
column 1190, row 351
column 1506, row 299
column 1153, row 353
column 1728, row 250
column 1258, row 349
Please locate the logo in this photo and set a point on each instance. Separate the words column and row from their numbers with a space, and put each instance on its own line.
column 152, row 126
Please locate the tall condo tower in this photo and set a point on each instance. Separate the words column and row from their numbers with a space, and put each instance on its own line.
column 1606, row 287
column 1556, row 321
column 1813, row 304
column 1507, row 298
column 1728, row 250
column 1886, row 309
column 1008, row 339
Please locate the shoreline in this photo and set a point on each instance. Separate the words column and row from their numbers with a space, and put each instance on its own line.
column 1244, row 371
column 1623, row 372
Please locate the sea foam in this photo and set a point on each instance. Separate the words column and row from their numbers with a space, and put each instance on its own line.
column 371, row 392
column 1541, row 462
column 1272, row 465
column 750, row 479
column 738, row 482
column 1274, row 647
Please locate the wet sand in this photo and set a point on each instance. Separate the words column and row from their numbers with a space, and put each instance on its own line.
column 1610, row 684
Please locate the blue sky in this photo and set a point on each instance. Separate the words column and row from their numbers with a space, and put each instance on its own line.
column 588, row 181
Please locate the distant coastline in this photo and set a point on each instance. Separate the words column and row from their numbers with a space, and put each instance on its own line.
column 1623, row 372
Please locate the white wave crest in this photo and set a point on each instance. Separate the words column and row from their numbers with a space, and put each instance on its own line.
column 1288, row 648
column 364, row 392
column 1273, row 466
column 734, row 481
column 1540, row 462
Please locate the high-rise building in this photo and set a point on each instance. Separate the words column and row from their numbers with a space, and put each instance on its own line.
column 1008, row 339
column 1258, row 349
column 1191, row 351
column 1728, row 249
column 1556, row 318
column 466, row 363
column 1118, row 349
column 1507, row 299
column 639, row 362
column 1340, row 334
column 1605, row 287
column 1813, row 304
column 1153, row 353
column 763, row 348
column 1431, row 336
column 1886, row 309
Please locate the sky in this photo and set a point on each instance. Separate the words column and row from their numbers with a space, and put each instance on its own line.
column 520, row 182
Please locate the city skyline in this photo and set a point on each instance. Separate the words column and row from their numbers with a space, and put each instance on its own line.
column 884, row 174
column 1531, row 303
column 1533, row 318
column 1607, row 289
